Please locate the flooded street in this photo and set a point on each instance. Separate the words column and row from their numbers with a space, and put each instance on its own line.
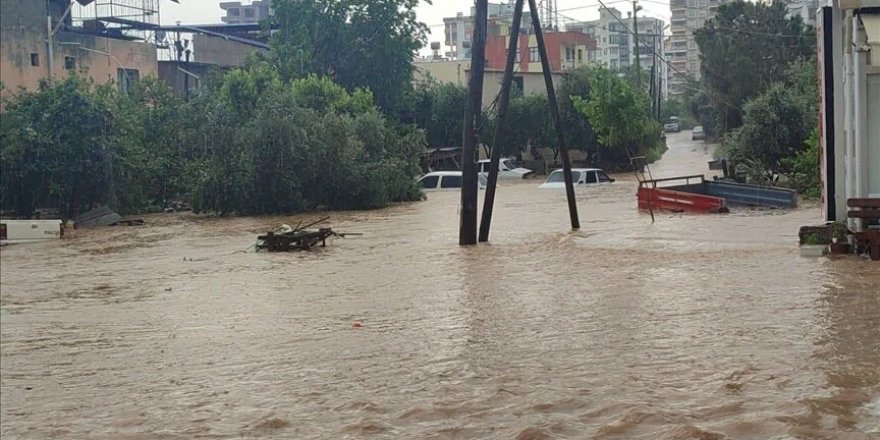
column 694, row 327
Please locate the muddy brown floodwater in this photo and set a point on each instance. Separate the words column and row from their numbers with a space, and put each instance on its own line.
column 695, row 327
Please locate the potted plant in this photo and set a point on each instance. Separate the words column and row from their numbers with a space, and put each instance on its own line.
column 812, row 246
column 839, row 244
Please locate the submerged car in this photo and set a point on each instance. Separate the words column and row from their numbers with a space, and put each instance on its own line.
column 580, row 177
column 445, row 181
column 698, row 133
column 506, row 169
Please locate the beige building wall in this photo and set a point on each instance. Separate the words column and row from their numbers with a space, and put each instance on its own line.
column 220, row 51
column 457, row 72
column 24, row 59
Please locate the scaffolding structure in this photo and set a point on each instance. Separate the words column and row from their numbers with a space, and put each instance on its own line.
column 130, row 19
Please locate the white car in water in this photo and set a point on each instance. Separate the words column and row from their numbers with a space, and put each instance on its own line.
column 506, row 169
column 580, row 177
column 445, row 181
column 25, row 231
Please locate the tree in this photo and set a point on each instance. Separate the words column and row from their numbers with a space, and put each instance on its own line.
column 57, row 148
column 619, row 115
column 778, row 122
column 366, row 44
column 579, row 133
column 744, row 50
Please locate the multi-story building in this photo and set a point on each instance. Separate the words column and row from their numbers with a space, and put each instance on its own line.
column 565, row 51
column 237, row 12
column 614, row 42
column 683, row 54
column 30, row 53
column 806, row 9
column 459, row 30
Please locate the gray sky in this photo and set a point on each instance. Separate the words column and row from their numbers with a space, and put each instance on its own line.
column 208, row 11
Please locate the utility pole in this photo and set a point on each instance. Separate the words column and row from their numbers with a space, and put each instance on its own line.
column 501, row 128
column 554, row 113
column 636, row 9
column 467, row 232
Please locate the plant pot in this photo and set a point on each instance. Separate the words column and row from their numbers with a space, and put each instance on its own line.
column 813, row 250
column 840, row 248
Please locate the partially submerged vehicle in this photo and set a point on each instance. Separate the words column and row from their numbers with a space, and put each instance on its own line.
column 446, row 181
column 696, row 194
column 506, row 169
column 25, row 231
column 580, row 177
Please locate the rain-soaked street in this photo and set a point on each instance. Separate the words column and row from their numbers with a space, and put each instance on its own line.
column 694, row 327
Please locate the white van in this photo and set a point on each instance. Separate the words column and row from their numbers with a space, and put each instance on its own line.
column 446, row 181
column 24, row 231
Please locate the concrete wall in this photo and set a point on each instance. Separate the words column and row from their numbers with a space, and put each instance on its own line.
column 457, row 72
column 215, row 50
column 23, row 40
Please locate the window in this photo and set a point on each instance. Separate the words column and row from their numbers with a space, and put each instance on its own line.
column 234, row 12
column 518, row 56
column 557, row 177
column 450, row 182
column 534, row 56
column 580, row 54
column 249, row 13
column 703, row 3
column 603, row 177
column 591, row 177
column 430, row 182
column 127, row 78
column 691, row 13
column 569, row 54
column 35, row 59
column 70, row 63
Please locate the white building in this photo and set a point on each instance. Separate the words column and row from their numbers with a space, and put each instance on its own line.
column 459, row 30
column 849, row 72
column 683, row 52
column 614, row 41
column 238, row 12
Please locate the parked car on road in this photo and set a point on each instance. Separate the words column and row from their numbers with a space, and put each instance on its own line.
column 698, row 133
column 580, row 177
column 445, row 181
column 673, row 126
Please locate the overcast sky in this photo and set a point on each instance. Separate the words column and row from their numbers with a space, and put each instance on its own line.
column 208, row 11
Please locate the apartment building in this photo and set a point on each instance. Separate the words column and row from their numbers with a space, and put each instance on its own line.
column 615, row 42
column 459, row 30
column 238, row 12
column 683, row 53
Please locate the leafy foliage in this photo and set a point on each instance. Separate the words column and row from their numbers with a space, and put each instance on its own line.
column 250, row 143
column 778, row 122
column 744, row 50
column 356, row 43
column 619, row 115
column 805, row 168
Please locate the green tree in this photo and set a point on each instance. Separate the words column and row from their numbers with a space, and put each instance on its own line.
column 358, row 43
column 579, row 133
column 57, row 148
column 778, row 122
column 744, row 50
column 620, row 116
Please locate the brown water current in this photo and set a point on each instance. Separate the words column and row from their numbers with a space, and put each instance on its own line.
column 694, row 327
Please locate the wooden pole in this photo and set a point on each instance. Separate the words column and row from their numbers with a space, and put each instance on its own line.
column 501, row 123
column 467, row 232
column 554, row 113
